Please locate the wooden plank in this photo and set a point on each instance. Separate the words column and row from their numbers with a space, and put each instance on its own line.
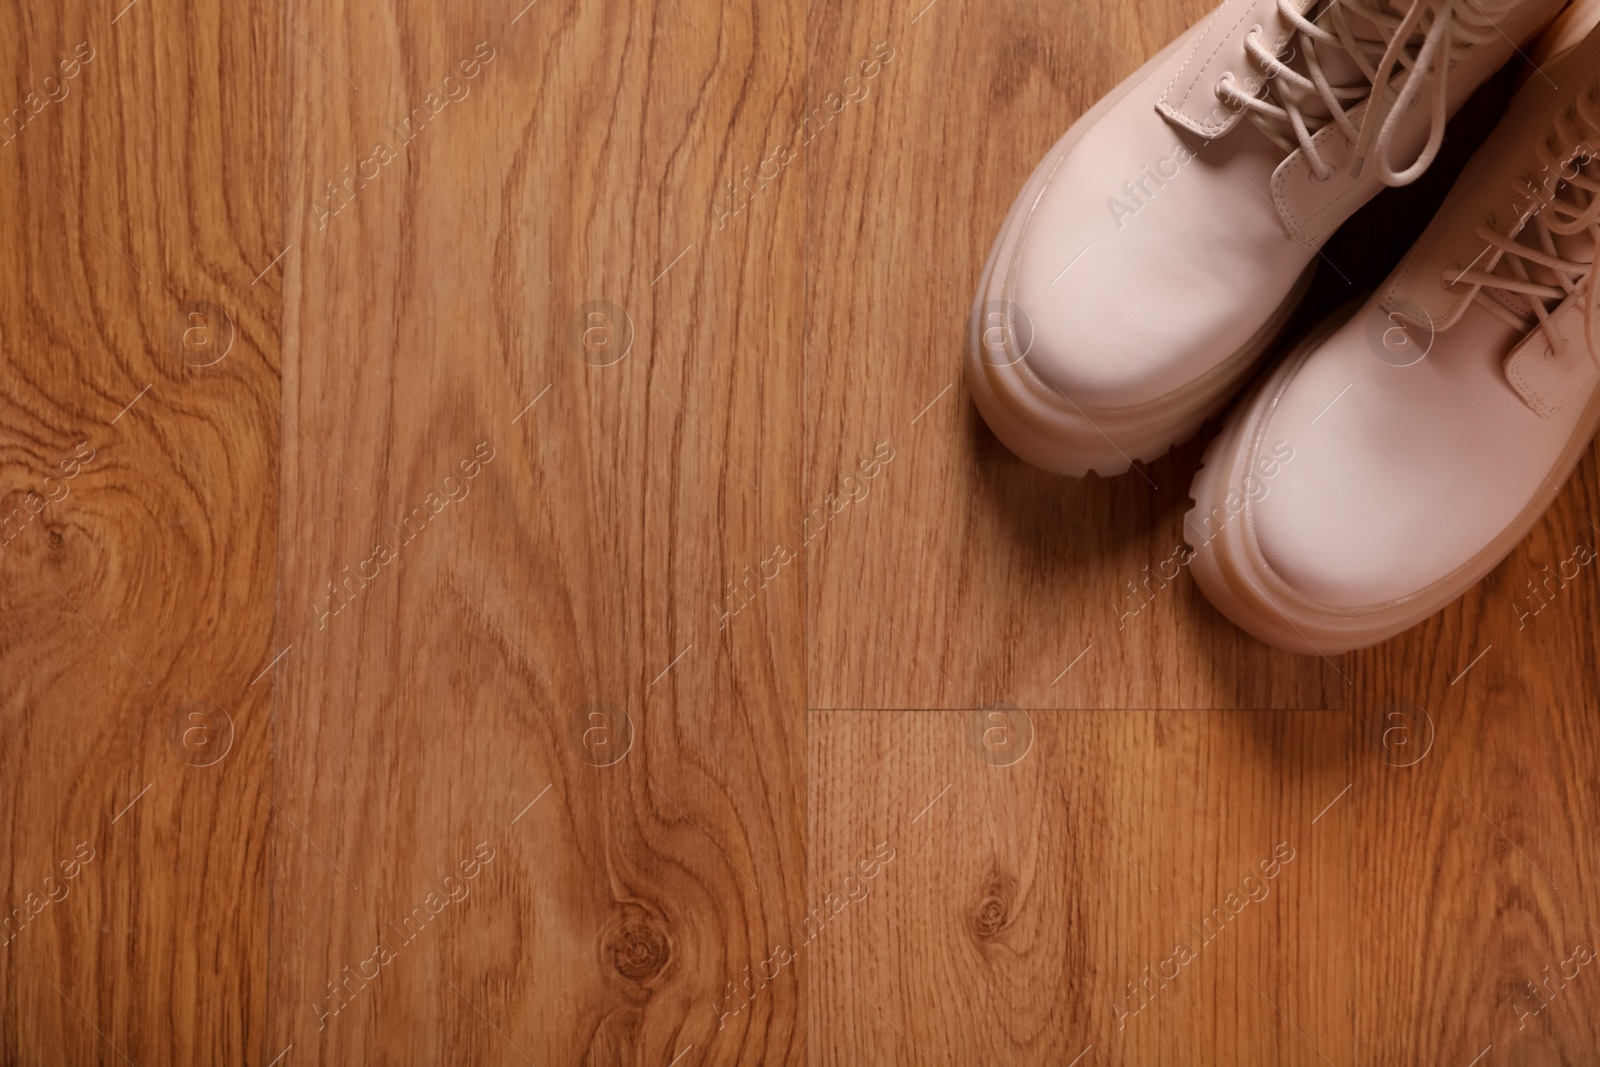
column 138, row 477
column 537, row 274
column 1046, row 870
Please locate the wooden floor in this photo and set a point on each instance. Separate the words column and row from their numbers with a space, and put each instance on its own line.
column 508, row 572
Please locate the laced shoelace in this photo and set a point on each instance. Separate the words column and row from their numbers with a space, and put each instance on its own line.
column 1428, row 38
column 1578, row 173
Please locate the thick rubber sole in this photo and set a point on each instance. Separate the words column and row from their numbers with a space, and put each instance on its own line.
column 1048, row 429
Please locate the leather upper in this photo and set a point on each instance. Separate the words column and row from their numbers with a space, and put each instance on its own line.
column 1170, row 270
column 1405, row 475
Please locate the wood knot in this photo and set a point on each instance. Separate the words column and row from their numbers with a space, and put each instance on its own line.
column 990, row 918
column 993, row 911
column 638, row 948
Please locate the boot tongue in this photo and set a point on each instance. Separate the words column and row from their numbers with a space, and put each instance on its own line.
column 1338, row 66
column 1473, row 21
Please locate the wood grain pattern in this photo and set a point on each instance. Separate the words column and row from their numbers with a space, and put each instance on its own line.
column 1047, row 869
column 576, row 574
column 633, row 647
column 138, row 473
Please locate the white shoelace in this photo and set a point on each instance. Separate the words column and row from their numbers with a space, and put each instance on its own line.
column 1427, row 38
column 1553, row 216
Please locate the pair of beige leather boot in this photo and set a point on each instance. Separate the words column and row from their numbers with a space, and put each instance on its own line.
column 1396, row 454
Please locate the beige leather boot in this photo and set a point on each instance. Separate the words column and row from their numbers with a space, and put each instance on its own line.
column 1158, row 249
